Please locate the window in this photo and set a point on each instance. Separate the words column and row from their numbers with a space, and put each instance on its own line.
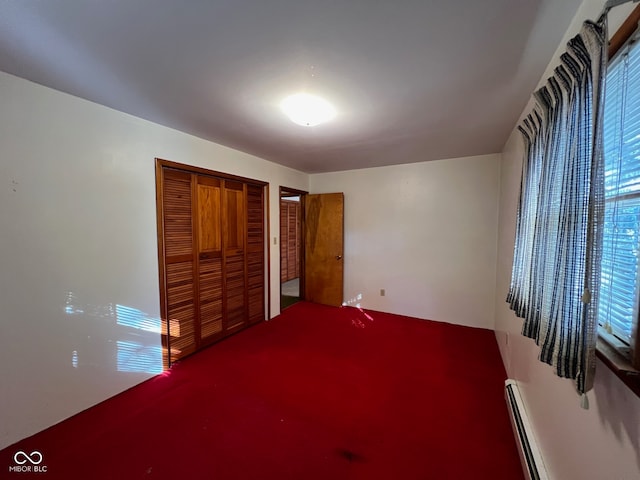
column 619, row 287
column 578, row 220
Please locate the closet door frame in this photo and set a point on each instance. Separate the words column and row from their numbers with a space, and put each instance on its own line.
column 160, row 165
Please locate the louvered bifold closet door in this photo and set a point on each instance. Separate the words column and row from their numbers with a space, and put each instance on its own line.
column 209, row 227
column 212, row 256
column 234, row 230
column 290, row 238
column 284, row 241
column 255, row 253
column 179, row 336
column 294, row 239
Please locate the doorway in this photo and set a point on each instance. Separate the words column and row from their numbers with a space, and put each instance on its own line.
column 291, row 246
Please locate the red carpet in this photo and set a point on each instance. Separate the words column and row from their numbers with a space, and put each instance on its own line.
column 316, row 393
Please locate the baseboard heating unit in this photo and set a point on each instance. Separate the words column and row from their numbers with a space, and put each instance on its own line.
column 530, row 456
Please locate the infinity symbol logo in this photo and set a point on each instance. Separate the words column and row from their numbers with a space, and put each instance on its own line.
column 35, row 458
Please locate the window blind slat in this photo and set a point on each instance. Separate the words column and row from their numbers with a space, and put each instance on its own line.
column 618, row 302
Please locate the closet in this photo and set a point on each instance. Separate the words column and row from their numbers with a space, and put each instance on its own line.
column 290, row 237
column 211, row 248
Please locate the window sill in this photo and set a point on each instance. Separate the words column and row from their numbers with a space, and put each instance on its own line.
column 618, row 364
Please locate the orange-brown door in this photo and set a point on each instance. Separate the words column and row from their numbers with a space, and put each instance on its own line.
column 234, row 228
column 178, row 290
column 208, row 216
column 290, row 239
column 211, row 257
column 324, row 242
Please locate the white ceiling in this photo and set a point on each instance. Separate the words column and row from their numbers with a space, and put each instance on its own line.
column 413, row 80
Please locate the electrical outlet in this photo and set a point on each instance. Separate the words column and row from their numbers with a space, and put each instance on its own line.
column 382, row 292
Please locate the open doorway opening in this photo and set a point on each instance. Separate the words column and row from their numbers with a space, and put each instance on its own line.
column 291, row 246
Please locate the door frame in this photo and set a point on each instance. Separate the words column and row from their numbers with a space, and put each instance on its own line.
column 292, row 192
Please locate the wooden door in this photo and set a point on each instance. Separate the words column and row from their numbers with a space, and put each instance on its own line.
column 211, row 256
column 293, row 249
column 179, row 310
column 324, row 242
column 208, row 215
column 284, row 241
column 256, row 248
column 234, row 228
column 290, row 243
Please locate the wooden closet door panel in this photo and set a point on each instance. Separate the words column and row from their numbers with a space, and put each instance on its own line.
column 235, row 298
column 256, row 287
column 298, row 245
column 210, row 297
column 178, row 328
column 180, row 310
column 178, row 228
column 209, row 214
column 235, row 216
column 255, row 217
column 255, row 253
column 234, row 221
column 292, row 241
column 284, row 241
column 290, row 235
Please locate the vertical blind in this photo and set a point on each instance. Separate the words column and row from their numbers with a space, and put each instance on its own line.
column 618, row 305
column 556, row 268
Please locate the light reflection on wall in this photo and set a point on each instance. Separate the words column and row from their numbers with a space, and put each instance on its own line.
column 359, row 313
column 135, row 357
column 132, row 317
column 353, row 302
column 136, row 347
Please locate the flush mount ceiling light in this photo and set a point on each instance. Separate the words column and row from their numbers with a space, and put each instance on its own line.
column 307, row 110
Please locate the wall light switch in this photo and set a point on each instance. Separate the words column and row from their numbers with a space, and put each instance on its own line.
column 382, row 292
column 275, row 240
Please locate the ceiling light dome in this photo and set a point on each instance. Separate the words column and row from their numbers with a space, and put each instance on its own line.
column 307, row 110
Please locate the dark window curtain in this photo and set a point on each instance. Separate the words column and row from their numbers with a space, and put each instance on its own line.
column 556, row 266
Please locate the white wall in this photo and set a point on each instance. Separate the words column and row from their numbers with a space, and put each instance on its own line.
column 424, row 232
column 604, row 441
column 78, row 236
